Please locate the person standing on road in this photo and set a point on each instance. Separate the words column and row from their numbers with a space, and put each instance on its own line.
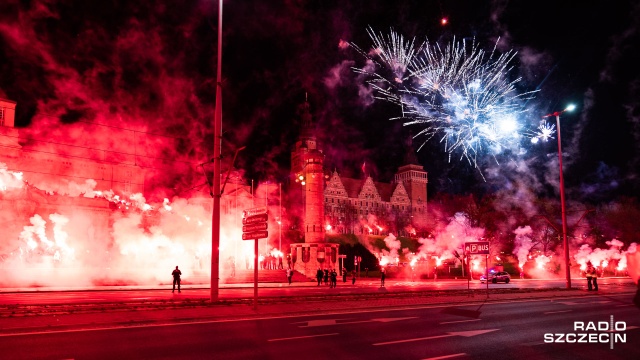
column 344, row 275
column 319, row 276
column 176, row 279
column 382, row 276
column 326, row 276
column 289, row 275
column 353, row 277
column 592, row 277
column 334, row 278
column 589, row 275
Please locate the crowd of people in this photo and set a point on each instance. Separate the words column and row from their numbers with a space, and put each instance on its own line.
column 270, row 262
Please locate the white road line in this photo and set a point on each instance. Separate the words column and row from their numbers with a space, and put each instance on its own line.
column 557, row 312
column 456, row 333
column 445, row 356
column 411, row 340
column 334, row 312
column 303, row 337
column 459, row 321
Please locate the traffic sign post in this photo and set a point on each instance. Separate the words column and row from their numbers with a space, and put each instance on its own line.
column 479, row 248
column 254, row 227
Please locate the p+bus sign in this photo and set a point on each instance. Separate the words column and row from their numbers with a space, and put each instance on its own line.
column 477, row 248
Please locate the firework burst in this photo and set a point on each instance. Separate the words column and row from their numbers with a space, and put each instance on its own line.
column 543, row 132
column 459, row 94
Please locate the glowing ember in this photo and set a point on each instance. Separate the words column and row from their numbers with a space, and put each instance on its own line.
column 542, row 261
column 438, row 260
column 475, row 264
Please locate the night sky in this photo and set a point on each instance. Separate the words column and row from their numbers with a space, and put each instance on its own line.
column 150, row 66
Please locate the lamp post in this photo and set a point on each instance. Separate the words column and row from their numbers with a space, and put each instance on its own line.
column 217, row 139
column 565, row 241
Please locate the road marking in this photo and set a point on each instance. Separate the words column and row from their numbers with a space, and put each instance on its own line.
column 445, row 356
column 328, row 322
column 557, row 312
column 458, row 333
column 302, row 337
column 459, row 321
column 625, row 305
column 583, row 303
column 334, row 312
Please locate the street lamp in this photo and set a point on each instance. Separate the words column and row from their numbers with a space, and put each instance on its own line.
column 217, row 137
column 565, row 242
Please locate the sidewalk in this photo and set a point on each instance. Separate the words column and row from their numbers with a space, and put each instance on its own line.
column 360, row 283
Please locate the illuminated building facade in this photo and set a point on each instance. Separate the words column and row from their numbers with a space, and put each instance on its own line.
column 336, row 204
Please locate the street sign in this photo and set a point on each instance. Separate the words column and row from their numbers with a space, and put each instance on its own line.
column 254, row 224
column 254, row 227
column 477, row 247
column 262, row 218
column 255, row 211
column 255, row 235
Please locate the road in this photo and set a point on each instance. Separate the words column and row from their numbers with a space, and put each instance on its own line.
column 497, row 330
column 111, row 294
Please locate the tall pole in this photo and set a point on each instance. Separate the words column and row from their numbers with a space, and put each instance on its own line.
column 255, row 274
column 280, row 218
column 217, row 139
column 565, row 242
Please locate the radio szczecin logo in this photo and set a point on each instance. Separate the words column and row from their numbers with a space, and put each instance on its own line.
column 600, row 332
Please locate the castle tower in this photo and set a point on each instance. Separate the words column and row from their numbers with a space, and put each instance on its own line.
column 414, row 179
column 314, row 197
column 307, row 167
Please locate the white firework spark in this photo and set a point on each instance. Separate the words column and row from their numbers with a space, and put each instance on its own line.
column 461, row 94
column 543, row 132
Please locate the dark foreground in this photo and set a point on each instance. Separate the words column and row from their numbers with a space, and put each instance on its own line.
column 427, row 324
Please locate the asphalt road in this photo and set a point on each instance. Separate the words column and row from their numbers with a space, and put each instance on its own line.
column 508, row 330
column 113, row 294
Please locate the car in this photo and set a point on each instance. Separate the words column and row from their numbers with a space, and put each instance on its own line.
column 495, row 277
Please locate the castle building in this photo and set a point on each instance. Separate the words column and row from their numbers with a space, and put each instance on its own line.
column 361, row 207
column 307, row 167
column 338, row 204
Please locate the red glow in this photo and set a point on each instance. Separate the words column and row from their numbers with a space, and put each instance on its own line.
column 444, row 21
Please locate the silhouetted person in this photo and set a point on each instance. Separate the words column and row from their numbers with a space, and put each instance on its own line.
column 366, row 272
column 176, row 279
column 319, row 276
column 353, row 277
column 334, row 278
column 289, row 275
column 382, row 276
column 326, row 276
column 592, row 277
column 344, row 275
